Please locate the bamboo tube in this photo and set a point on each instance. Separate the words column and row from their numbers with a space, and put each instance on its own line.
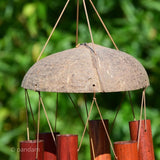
column 126, row 150
column 67, row 146
column 28, row 150
column 50, row 150
column 146, row 150
column 99, row 144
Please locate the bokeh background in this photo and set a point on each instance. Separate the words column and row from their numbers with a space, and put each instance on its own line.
column 25, row 26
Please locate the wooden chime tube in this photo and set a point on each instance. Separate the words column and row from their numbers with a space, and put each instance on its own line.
column 67, row 147
column 50, row 151
column 99, row 143
column 126, row 150
column 28, row 150
column 145, row 151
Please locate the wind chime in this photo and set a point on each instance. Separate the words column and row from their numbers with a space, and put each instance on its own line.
column 87, row 68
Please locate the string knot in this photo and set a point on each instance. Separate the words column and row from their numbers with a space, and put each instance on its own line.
column 78, row 45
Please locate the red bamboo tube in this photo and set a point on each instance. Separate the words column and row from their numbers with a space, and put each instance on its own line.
column 67, row 146
column 146, row 150
column 126, row 150
column 28, row 150
column 99, row 143
column 50, row 150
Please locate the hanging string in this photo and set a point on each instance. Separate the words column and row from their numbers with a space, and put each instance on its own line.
column 92, row 147
column 89, row 26
column 38, row 124
column 105, row 128
column 130, row 99
column 53, row 30
column 76, row 108
column 34, row 122
column 56, row 113
column 104, row 25
column 77, row 22
column 85, row 101
column 143, row 104
column 47, row 119
column 145, row 115
column 85, row 125
column 139, row 129
column 94, row 100
column 27, row 116
column 117, row 111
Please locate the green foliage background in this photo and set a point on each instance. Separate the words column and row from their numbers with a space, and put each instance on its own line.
column 24, row 28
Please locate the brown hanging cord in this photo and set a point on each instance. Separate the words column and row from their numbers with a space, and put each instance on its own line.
column 27, row 117
column 86, row 125
column 48, row 120
column 143, row 104
column 139, row 129
column 92, row 147
column 76, row 108
column 77, row 22
column 56, row 113
column 105, row 128
column 130, row 99
column 34, row 122
column 94, row 100
column 145, row 115
column 118, row 109
column 104, row 25
column 53, row 30
column 89, row 26
column 38, row 124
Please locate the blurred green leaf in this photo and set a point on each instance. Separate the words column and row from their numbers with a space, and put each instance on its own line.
column 41, row 11
column 129, row 10
column 29, row 9
column 151, row 4
column 4, row 112
column 105, row 6
column 6, row 138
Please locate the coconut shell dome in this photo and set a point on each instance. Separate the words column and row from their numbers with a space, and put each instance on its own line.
column 85, row 69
